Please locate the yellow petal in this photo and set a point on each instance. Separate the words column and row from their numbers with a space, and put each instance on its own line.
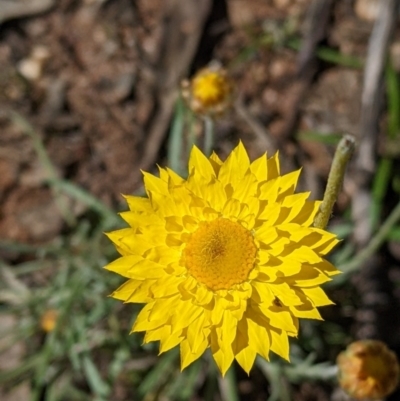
column 163, row 255
column 280, row 343
column 302, row 254
column 235, row 167
column 292, row 205
column 266, row 233
column 222, row 350
column 217, row 311
column 290, row 267
column 165, row 205
column 157, row 334
column 163, row 308
column 187, row 313
column 259, row 339
column 309, row 277
column 195, row 333
column 286, row 294
column 146, row 269
column 246, row 188
column 270, row 213
column 174, row 179
column 280, row 319
column 269, row 190
column 200, row 164
column 317, row 296
column 170, row 341
column 129, row 242
column 231, row 208
column 187, row 356
column 166, row 286
column 164, row 176
column 307, row 214
column 287, row 184
column 216, row 196
column 325, row 244
column 138, row 204
column 227, row 332
column 135, row 219
column 127, row 289
column 216, row 162
column 143, row 323
column 246, row 358
column 123, row 264
column 154, row 184
column 259, row 168
column 263, row 293
column 273, row 166
column 327, row 268
column 305, row 312
column 203, row 295
column 141, row 294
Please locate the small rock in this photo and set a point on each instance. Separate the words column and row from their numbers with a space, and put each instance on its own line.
column 30, row 214
column 367, row 10
column 31, row 67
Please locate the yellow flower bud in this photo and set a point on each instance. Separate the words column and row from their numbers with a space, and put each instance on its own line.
column 209, row 91
column 48, row 320
column 368, row 369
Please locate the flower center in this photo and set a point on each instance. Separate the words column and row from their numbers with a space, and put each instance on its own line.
column 374, row 368
column 220, row 254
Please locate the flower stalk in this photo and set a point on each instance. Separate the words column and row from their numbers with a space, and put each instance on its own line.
column 208, row 135
column 342, row 156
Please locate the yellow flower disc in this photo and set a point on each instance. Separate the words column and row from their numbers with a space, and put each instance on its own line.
column 210, row 88
column 209, row 91
column 226, row 259
column 220, row 254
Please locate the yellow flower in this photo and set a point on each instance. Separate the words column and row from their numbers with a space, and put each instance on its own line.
column 48, row 320
column 226, row 259
column 368, row 369
column 209, row 91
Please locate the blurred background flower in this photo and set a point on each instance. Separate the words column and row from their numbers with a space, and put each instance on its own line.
column 209, row 91
column 48, row 320
column 368, row 370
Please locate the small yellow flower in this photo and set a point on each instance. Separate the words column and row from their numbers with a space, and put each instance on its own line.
column 48, row 320
column 226, row 259
column 209, row 91
column 368, row 370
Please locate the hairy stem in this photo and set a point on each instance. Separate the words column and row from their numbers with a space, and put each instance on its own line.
column 342, row 155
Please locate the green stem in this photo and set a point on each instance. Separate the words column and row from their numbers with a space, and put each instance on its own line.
column 280, row 388
column 375, row 242
column 342, row 155
column 209, row 135
column 175, row 138
column 228, row 386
